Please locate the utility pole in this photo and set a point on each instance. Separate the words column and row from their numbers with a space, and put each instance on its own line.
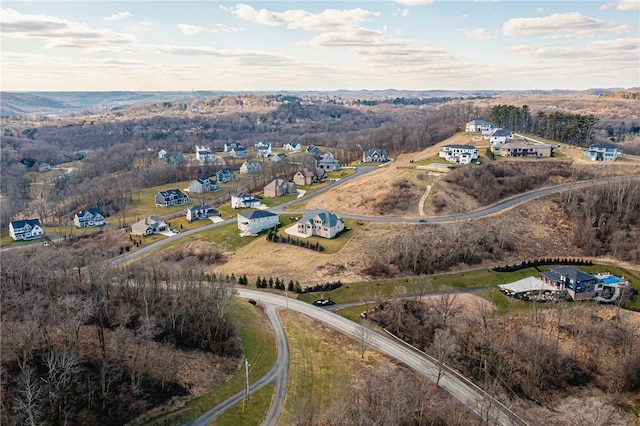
column 246, row 369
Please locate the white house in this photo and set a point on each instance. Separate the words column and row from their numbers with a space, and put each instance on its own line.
column 500, row 136
column 204, row 154
column 91, row 217
column 26, row 229
column 602, row 151
column 479, row 126
column 162, row 153
column 460, row 154
column 264, row 149
column 243, row 200
column 321, row 223
column 202, row 185
column 251, row 222
column 292, row 146
column 374, row 156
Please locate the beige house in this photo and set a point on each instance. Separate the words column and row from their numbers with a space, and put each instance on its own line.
column 525, row 149
column 321, row 223
column 308, row 176
column 148, row 225
column 280, row 187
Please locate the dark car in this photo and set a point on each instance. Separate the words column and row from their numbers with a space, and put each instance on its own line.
column 422, row 220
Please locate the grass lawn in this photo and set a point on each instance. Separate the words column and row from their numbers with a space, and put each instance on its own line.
column 259, row 348
column 342, row 173
column 321, row 362
column 361, row 291
column 248, row 414
column 330, row 245
column 275, row 201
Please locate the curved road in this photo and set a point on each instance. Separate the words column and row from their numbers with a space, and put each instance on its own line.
column 277, row 376
column 477, row 214
column 465, row 392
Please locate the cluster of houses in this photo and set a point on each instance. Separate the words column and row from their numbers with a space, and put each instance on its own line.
column 567, row 280
column 319, row 223
column 30, row 229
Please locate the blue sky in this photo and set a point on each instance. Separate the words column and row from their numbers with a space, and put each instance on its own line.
column 318, row 45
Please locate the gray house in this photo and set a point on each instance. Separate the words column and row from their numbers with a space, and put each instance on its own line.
column 203, row 185
column 602, row 151
column 321, row 223
column 171, row 197
column 374, row 156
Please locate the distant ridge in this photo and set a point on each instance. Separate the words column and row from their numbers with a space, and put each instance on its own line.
column 88, row 103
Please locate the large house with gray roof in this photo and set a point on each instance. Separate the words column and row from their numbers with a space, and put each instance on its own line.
column 375, row 156
column 202, row 185
column 459, row 154
column 171, row 197
column 252, row 222
column 479, row 126
column 320, row 223
column 602, row 151
column 90, row 217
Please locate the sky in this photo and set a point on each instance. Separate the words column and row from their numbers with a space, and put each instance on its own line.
column 153, row 45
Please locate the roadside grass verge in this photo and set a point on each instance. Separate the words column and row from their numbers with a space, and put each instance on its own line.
column 259, row 348
column 321, row 363
column 342, row 173
column 248, row 414
column 275, row 201
column 361, row 291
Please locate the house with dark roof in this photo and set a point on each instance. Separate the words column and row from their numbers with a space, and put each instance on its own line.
column 172, row 157
column 500, row 136
column 25, row 229
column 578, row 284
column 252, row 222
column 292, row 146
column 321, row 223
column 226, row 175
column 238, row 152
column 263, row 149
column 171, row 197
column 86, row 218
column 243, row 200
column 202, row 185
column 374, row 156
column 312, row 150
column 281, row 156
column 200, row 212
column 280, row 187
column 309, row 176
column 602, row 151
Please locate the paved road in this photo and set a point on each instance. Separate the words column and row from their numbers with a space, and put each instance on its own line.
column 277, row 376
column 467, row 393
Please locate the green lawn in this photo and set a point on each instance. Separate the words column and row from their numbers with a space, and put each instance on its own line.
column 248, row 414
column 275, row 201
column 342, row 173
column 259, row 348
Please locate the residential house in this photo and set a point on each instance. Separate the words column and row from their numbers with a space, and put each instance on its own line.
column 459, row 154
column 250, row 167
column 173, row 157
column 86, row 218
column 321, row 223
column 527, row 149
column 292, row 146
column 44, row 167
column 602, row 151
column 328, row 162
column 226, row 175
column 280, row 187
column 500, row 136
column 238, row 152
column 26, row 229
column 243, row 200
column 162, row 153
column 230, row 146
column 204, row 154
column 309, row 176
column 148, row 226
column 479, row 126
column 313, row 150
column 202, row 185
column 579, row 285
column 374, row 156
column 279, row 157
column 252, row 222
column 171, row 197
column 201, row 212
column 263, row 149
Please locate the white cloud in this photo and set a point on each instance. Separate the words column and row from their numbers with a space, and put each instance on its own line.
column 479, row 34
column 59, row 32
column 117, row 16
column 327, row 20
column 628, row 5
column 607, row 6
column 561, row 25
column 189, row 30
column 623, row 52
column 145, row 23
column 414, row 2
column 223, row 28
